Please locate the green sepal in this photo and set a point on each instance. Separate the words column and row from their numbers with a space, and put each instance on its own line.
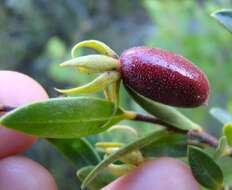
column 95, row 44
column 93, row 63
column 100, row 83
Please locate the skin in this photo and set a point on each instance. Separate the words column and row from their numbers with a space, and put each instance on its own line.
column 20, row 173
column 17, row 172
column 17, row 89
column 161, row 174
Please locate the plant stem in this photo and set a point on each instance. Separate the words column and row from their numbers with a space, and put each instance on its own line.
column 6, row 108
column 202, row 136
column 155, row 120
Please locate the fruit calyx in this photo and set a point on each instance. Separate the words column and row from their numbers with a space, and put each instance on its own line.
column 106, row 62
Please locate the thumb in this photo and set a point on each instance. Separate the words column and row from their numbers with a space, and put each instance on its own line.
column 17, row 89
column 161, row 174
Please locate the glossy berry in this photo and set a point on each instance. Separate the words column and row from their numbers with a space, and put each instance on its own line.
column 164, row 77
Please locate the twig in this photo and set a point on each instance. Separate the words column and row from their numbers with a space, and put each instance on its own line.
column 151, row 119
column 201, row 136
column 204, row 137
column 6, row 108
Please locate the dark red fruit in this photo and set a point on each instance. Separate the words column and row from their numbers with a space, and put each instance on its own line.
column 164, row 77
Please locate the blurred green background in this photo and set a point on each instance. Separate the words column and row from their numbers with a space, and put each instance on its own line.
column 37, row 35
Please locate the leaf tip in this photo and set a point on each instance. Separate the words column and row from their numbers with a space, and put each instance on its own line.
column 59, row 90
column 83, row 186
column 64, row 91
column 214, row 14
column 78, row 173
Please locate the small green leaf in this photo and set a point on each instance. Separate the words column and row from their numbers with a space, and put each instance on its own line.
column 227, row 130
column 104, row 177
column 63, row 117
column 221, row 115
column 224, row 17
column 163, row 112
column 79, row 151
column 136, row 145
column 206, row 171
column 172, row 145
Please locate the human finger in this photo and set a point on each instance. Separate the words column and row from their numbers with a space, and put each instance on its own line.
column 17, row 89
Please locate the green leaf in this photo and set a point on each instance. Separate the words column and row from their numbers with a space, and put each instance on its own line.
column 104, row 178
column 172, row 145
column 206, row 171
column 63, row 117
column 79, row 151
column 163, row 112
column 221, row 115
column 136, row 145
column 227, row 130
column 224, row 17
